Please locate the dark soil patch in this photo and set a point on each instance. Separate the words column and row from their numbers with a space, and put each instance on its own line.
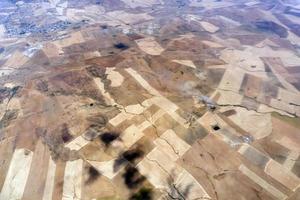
column 121, row 46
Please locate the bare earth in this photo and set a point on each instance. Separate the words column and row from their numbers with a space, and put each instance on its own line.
column 149, row 100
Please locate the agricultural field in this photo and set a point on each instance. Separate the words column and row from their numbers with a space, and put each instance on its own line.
column 149, row 100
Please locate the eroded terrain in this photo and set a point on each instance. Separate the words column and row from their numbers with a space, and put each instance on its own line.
column 149, row 99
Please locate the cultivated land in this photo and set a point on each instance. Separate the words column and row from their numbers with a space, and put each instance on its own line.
column 149, row 100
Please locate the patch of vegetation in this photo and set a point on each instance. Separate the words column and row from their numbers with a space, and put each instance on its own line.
column 96, row 71
column 65, row 135
column 8, row 92
column 42, row 86
column 8, row 117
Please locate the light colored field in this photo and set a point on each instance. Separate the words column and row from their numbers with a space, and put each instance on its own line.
column 229, row 86
column 190, row 17
column 164, row 161
column 291, row 160
column 135, row 109
column 52, row 50
column 185, row 152
column 54, row 2
column 252, row 3
column 3, row 107
column 142, row 3
column 73, row 14
column 115, row 77
column 212, row 44
column 17, row 175
column 128, row 113
column 232, row 80
column 161, row 170
column 49, row 184
column 16, row 60
column 226, row 133
column 37, row 173
column 74, row 38
column 92, row 54
column 229, row 21
column 265, row 43
column 171, row 144
column 267, row 109
column 245, row 119
column 265, row 185
column 281, row 105
column 2, row 31
column 196, row 191
column 282, row 175
column 128, row 18
column 149, row 46
column 155, row 174
column 164, row 104
column 228, row 97
column 108, row 99
column 151, row 120
column 131, row 135
column 106, row 168
column 208, row 4
column 13, row 104
column 142, row 82
column 244, row 59
column 77, row 143
column 209, row 27
column 91, row 13
column 72, row 180
column 188, row 63
column 288, row 97
column 120, row 118
column 159, row 100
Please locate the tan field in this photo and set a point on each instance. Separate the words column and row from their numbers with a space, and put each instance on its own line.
column 149, row 100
